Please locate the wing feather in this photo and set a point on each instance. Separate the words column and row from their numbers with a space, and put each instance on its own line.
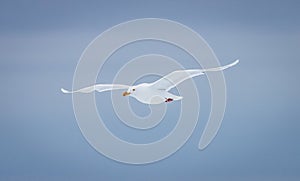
column 98, row 88
column 174, row 78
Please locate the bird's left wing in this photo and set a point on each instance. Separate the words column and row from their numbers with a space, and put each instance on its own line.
column 174, row 78
column 98, row 87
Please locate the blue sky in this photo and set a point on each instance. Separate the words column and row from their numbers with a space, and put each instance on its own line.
column 41, row 42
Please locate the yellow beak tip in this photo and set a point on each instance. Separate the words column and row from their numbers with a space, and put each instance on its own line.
column 126, row 93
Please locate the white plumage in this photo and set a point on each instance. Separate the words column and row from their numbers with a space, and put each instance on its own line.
column 156, row 92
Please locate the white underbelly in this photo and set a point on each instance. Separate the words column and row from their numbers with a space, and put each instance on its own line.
column 154, row 99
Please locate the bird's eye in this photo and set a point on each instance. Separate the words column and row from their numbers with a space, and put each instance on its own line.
column 133, row 89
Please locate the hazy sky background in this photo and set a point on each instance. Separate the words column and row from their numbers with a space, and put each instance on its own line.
column 40, row 45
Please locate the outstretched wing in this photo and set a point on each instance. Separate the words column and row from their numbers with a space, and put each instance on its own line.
column 174, row 78
column 98, row 87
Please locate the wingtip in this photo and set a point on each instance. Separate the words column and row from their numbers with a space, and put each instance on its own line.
column 64, row 90
column 235, row 62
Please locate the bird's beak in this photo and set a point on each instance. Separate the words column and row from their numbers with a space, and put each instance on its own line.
column 126, row 93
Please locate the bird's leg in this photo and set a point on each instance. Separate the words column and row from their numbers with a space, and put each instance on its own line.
column 168, row 99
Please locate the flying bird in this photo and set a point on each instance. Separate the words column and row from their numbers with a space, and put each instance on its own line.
column 156, row 92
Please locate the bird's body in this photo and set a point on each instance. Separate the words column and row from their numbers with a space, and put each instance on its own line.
column 156, row 92
column 148, row 94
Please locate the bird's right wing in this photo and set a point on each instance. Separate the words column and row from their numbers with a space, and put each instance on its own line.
column 97, row 87
column 174, row 78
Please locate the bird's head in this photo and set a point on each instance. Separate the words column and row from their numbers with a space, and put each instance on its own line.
column 130, row 91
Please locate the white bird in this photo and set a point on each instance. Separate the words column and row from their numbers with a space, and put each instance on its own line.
column 156, row 92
